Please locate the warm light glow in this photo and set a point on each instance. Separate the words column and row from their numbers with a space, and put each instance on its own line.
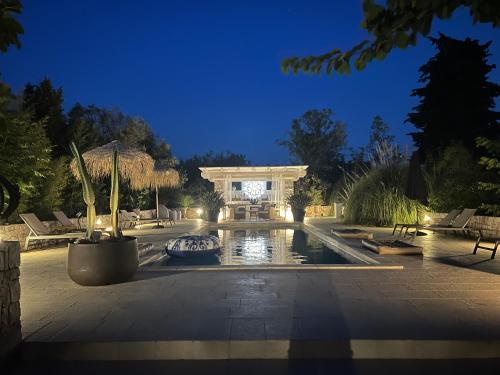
column 253, row 189
column 427, row 218
column 221, row 216
column 288, row 214
column 108, row 229
column 199, row 211
column 98, row 221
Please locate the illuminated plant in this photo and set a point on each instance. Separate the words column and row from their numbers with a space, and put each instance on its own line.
column 88, row 192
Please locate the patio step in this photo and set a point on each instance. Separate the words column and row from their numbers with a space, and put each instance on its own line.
column 261, row 349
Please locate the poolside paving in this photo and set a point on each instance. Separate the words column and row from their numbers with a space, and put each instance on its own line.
column 448, row 294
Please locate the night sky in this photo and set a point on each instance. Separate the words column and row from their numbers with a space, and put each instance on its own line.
column 206, row 75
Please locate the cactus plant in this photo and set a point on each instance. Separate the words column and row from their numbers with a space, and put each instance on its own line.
column 113, row 198
column 88, row 192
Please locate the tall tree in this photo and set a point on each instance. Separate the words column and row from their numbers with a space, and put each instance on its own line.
column 457, row 101
column 24, row 148
column 46, row 104
column 315, row 139
column 396, row 24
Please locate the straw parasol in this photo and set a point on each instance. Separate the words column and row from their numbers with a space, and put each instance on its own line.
column 163, row 177
column 134, row 165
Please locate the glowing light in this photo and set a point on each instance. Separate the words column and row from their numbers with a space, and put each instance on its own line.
column 199, row 211
column 288, row 214
column 108, row 229
column 98, row 221
column 427, row 219
column 221, row 216
column 253, row 189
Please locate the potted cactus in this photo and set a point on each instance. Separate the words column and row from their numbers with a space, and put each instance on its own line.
column 212, row 202
column 298, row 201
column 100, row 261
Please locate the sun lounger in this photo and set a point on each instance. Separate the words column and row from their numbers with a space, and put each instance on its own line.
column 39, row 231
column 458, row 225
column 132, row 219
column 445, row 221
column 65, row 221
column 480, row 245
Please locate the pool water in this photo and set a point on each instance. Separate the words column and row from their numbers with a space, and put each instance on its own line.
column 264, row 246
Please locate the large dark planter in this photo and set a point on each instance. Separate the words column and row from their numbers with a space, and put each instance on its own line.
column 298, row 214
column 103, row 263
column 213, row 216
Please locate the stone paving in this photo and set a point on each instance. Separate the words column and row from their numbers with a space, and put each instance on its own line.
column 446, row 294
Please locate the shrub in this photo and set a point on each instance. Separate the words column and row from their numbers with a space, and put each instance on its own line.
column 212, row 202
column 299, row 200
column 376, row 197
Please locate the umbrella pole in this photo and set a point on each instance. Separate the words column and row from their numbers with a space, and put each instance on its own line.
column 158, row 225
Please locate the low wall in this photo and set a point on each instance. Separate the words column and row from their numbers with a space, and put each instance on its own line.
column 320, row 211
column 10, row 292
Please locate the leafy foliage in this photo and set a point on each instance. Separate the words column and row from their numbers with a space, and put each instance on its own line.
column 377, row 197
column 25, row 151
column 299, row 200
column 316, row 140
column 10, row 28
column 45, row 103
column 194, row 184
column 314, row 187
column 397, row 24
column 452, row 179
column 457, row 101
column 212, row 201
column 491, row 162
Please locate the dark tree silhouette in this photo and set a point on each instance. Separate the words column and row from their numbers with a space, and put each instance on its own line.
column 457, row 101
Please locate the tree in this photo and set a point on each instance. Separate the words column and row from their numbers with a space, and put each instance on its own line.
column 394, row 25
column 457, row 101
column 24, row 148
column 45, row 103
column 189, row 169
column 316, row 140
column 491, row 162
column 10, row 28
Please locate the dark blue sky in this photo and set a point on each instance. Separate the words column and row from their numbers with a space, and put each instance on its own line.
column 206, row 74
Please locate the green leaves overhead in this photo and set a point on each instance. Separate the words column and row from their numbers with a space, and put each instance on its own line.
column 10, row 29
column 395, row 25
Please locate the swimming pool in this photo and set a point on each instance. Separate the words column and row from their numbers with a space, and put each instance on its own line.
column 253, row 247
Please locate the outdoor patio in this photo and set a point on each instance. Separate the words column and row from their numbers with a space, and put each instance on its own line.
column 441, row 305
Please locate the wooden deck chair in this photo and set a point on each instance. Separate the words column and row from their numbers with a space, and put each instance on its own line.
column 445, row 221
column 39, row 231
column 65, row 221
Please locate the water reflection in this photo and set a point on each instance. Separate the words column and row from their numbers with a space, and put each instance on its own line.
column 258, row 246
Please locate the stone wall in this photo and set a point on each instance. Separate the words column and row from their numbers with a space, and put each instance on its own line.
column 10, row 292
column 320, row 211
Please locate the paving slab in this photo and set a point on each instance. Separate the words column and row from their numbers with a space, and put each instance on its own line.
column 446, row 294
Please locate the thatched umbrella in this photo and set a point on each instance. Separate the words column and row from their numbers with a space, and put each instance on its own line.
column 163, row 177
column 135, row 166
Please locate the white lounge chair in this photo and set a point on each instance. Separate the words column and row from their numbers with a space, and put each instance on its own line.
column 39, row 231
